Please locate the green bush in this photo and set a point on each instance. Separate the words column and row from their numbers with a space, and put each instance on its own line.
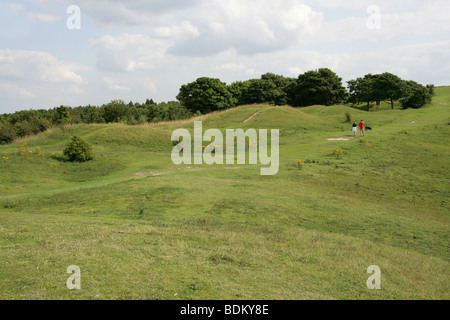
column 7, row 132
column 78, row 150
column 348, row 117
column 419, row 96
column 23, row 128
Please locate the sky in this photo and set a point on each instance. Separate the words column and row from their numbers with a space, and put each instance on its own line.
column 80, row 52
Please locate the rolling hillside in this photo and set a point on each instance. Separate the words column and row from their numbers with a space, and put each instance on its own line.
column 140, row 227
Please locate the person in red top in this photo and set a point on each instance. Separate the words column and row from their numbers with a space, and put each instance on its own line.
column 361, row 127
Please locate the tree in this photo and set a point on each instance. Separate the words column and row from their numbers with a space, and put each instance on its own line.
column 175, row 110
column 388, row 86
column 322, row 86
column 90, row 114
column 62, row 115
column 238, row 90
column 361, row 90
column 431, row 88
column 116, row 111
column 39, row 125
column 269, row 89
column 150, row 102
column 206, row 95
column 418, row 96
column 78, row 150
column 23, row 128
column 280, row 94
column 261, row 91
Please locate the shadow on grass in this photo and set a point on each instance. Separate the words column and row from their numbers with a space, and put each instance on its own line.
column 60, row 158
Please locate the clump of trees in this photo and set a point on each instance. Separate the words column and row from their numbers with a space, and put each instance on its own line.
column 391, row 88
column 320, row 86
column 315, row 87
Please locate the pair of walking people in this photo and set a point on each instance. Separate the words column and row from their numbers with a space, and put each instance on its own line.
column 361, row 128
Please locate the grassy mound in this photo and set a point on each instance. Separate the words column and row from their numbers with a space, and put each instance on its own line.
column 140, row 227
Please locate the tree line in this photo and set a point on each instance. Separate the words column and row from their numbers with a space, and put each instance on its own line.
column 27, row 122
column 316, row 87
column 205, row 95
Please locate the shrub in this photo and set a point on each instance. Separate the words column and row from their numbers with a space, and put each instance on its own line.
column 418, row 97
column 78, row 150
column 23, row 128
column 348, row 117
column 40, row 125
column 7, row 132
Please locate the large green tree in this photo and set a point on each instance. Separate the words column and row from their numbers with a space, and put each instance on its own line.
column 361, row 90
column 270, row 88
column 389, row 87
column 62, row 115
column 238, row 90
column 115, row 111
column 280, row 94
column 261, row 91
column 321, row 86
column 206, row 95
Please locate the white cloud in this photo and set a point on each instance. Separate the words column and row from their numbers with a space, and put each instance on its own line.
column 17, row 91
column 137, row 12
column 212, row 25
column 38, row 79
column 186, row 29
column 113, row 85
column 295, row 71
column 364, row 4
column 17, row 7
column 131, row 52
column 235, row 67
column 37, row 65
column 35, row 16
column 76, row 90
column 249, row 26
column 42, row 17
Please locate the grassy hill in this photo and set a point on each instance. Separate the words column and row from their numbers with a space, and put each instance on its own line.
column 140, row 227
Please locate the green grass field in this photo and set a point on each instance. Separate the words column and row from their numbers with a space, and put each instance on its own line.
column 140, row 227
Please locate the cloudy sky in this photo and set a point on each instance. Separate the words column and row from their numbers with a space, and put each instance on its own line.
column 139, row 49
